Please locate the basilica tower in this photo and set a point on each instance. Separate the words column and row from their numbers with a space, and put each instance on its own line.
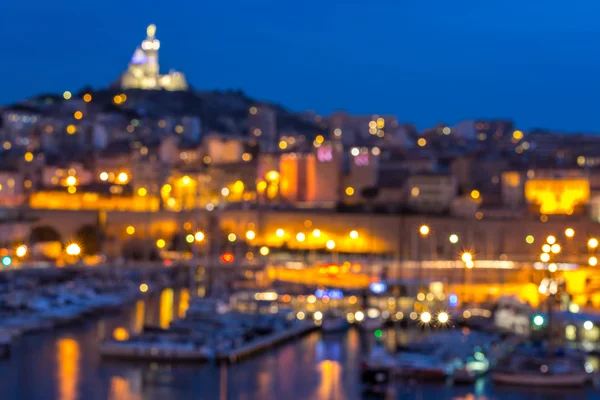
column 143, row 71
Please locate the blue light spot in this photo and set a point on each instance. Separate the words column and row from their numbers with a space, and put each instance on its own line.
column 378, row 287
column 453, row 300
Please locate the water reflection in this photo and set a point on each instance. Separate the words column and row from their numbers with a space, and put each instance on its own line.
column 65, row 365
column 120, row 389
column 330, row 383
column 140, row 310
column 184, row 303
column 67, row 359
column 166, row 308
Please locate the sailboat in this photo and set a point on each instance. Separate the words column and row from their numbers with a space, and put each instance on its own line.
column 546, row 366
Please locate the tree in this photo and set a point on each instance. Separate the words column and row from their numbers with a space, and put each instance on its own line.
column 44, row 233
column 370, row 194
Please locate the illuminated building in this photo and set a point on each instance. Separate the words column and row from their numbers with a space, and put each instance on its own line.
column 143, row 71
column 311, row 178
column 85, row 199
column 353, row 129
column 557, row 196
column 513, row 184
column 224, row 150
column 11, row 188
column 363, row 172
column 53, row 175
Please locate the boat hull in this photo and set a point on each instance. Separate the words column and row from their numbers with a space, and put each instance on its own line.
column 547, row 380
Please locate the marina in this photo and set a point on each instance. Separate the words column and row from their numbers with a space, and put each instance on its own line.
column 67, row 365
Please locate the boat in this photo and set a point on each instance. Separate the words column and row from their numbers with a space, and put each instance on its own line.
column 419, row 363
column 557, row 370
column 546, row 365
column 562, row 379
column 370, row 324
column 158, row 348
column 470, row 372
column 334, row 323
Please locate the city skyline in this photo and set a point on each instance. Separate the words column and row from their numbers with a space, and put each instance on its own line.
column 320, row 57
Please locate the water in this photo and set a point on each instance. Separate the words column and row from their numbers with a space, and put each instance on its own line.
column 65, row 365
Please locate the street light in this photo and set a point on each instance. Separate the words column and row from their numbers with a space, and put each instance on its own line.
column 300, row 237
column 21, row 251
column 199, row 236
column 569, row 232
column 73, row 249
column 546, row 248
column 426, row 317
column 250, row 235
column 353, row 234
column 316, row 233
column 555, row 248
column 453, row 238
column 424, row 230
column 551, row 239
column 330, row 244
column 443, row 317
column 593, row 243
column 264, row 251
column 466, row 257
column 593, row 261
column 280, row 232
column 545, row 257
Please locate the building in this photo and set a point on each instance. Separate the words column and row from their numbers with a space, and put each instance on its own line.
column 557, row 195
column 431, row 192
column 363, row 129
column 143, row 71
column 310, row 179
column 362, row 172
column 11, row 187
column 18, row 124
column 486, row 131
column 262, row 125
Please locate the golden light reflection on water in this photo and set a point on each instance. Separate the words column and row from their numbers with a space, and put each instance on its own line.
column 67, row 359
column 120, row 389
column 140, row 310
column 184, row 302
column 330, row 386
column 166, row 308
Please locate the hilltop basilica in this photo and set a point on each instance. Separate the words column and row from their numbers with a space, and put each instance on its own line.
column 143, row 71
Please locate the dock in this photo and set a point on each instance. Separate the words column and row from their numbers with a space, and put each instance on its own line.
column 266, row 342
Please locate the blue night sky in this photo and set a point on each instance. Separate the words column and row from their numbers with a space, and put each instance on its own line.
column 535, row 61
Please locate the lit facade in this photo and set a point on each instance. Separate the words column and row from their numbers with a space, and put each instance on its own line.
column 557, row 196
column 311, row 179
column 62, row 200
column 143, row 71
column 363, row 173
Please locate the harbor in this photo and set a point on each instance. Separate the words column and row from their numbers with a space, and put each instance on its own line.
column 66, row 364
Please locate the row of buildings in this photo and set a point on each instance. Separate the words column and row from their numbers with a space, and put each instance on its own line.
column 151, row 143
